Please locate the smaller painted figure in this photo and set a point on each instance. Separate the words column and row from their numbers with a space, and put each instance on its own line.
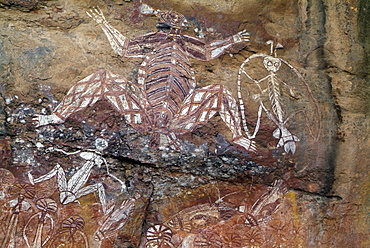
column 74, row 188
column 164, row 102
column 281, row 101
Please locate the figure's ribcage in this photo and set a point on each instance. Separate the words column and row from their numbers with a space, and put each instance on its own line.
column 275, row 98
column 167, row 79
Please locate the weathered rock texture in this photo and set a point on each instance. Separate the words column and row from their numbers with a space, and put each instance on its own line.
column 212, row 194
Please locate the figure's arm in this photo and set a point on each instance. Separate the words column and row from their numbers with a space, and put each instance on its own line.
column 52, row 149
column 207, row 51
column 116, row 39
column 136, row 47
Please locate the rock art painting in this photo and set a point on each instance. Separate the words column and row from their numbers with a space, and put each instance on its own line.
column 282, row 94
column 121, row 160
column 46, row 222
column 74, row 188
column 43, row 221
column 17, row 208
column 164, row 101
column 241, row 222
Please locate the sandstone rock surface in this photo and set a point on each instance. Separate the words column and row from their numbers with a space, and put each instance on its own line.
column 213, row 193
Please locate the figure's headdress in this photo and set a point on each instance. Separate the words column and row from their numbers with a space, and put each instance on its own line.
column 167, row 17
column 172, row 18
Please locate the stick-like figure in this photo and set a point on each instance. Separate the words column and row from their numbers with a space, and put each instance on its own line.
column 44, row 223
column 269, row 97
column 75, row 188
column 164, row 102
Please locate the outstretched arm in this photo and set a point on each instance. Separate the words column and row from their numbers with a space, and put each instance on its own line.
column 207, row 51
column 116, row 39
column 137, row 47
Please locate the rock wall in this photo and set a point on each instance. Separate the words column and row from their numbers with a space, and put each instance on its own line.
column 95, row 181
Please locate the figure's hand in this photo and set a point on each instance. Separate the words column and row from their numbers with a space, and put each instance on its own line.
column 241, row 36
column 50, row 149
column 256, row 97
column 97, row 15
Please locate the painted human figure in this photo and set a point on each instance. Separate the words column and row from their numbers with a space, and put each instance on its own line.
column 269, row 93
column 74, row 188
column 164, row 102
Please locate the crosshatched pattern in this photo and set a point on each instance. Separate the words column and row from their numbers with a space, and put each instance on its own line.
column 164, row 102
column 56, row 44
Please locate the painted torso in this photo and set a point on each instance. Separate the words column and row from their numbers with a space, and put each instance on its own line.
column 166, row 78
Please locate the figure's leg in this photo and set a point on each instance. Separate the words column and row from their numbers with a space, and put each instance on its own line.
column 56, row 171
column 66, row 195
column 203, row 104
column 92, row 188
column 102, row 84
column 286, row 139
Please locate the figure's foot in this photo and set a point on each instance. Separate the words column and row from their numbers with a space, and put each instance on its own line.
column 247, row 144
column 286, row 140
column 161, row 140
column 174, row 142
column 43, row 120
column 290, row 147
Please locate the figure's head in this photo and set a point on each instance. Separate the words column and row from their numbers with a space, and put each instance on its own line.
column 172, row 18
column 101, row 144
column 168, row 18
column 271, row 64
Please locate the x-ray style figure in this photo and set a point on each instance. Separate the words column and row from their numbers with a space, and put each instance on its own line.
column 164, row 102
column 269, row 97
column 75, row 188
